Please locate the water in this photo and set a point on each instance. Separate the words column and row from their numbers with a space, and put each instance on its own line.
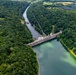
column 54, row 59
column 34, row 33
column 71, row 7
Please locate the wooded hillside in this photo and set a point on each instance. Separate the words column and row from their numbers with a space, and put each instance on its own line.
column 54, row 19
column 15, row 57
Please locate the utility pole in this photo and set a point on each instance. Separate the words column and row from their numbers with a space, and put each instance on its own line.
column 52, row 32
column 39, row 24
column 53, row 27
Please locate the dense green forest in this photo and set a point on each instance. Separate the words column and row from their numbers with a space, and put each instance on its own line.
column 15, row 57
column 54, row 18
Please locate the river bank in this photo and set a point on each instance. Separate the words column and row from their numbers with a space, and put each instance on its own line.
column 71, row 51
column 34, row 35
column 54, row 59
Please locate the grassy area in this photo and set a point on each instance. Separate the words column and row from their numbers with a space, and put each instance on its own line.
column 62, row 3
column 47, row 3
column 1, row 18
column 22, row 21
column 65, row 3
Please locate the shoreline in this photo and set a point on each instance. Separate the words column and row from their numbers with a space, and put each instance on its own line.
column 71, row 51
column 32, row 37
column 37, row 62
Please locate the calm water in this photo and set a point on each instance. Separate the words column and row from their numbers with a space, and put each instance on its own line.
column 52, row 56
column 54, row 59
column 34, row 33
column 71, row 7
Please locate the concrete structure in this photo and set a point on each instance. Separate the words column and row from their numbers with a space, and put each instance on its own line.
column 44, row 39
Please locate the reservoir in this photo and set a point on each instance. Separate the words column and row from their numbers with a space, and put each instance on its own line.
column 54, row 59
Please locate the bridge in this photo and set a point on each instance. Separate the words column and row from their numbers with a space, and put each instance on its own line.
column 44, row 39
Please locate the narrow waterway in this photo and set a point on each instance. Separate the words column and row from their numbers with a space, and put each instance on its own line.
column 34, row 33
column 54, row 59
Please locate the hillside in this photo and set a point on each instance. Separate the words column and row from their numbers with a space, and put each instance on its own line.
column 54, row 18
column 15, row 57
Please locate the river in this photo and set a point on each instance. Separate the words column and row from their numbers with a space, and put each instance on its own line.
column 53, row 58
column 34, row 33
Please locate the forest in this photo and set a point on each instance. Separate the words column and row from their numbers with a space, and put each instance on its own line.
column 16, row 58
column 54, row 18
